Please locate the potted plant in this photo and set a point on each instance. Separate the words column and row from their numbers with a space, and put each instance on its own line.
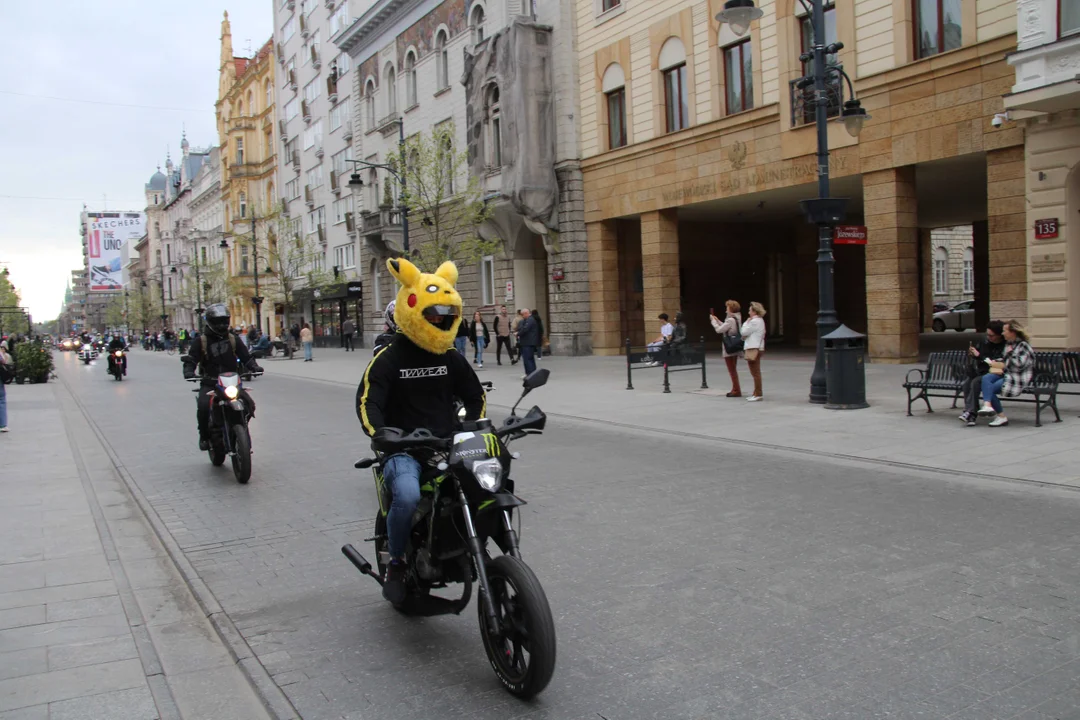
column 33, row 362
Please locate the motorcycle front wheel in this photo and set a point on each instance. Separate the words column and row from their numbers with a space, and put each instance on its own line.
column 523, row 654
column 241, row 459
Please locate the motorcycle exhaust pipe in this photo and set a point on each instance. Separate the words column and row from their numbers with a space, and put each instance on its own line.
column 358, row 560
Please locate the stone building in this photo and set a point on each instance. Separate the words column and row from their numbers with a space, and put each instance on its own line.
column 698, row 145
column 953, row 259
column 501, row 74
column 181, row 264
column 206, row 256
column 1045, row 100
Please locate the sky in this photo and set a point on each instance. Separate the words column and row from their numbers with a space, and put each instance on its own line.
column 58, row 154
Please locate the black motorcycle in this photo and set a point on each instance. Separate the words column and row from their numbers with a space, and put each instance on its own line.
column 467, row 498
column 116, row 365
column 229, row 416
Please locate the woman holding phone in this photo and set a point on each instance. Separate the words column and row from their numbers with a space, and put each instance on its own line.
column 729, row 328
column 1008, row 376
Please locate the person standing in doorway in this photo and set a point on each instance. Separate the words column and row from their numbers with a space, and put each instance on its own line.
column 729, row 328
column 528, row 340
column 348, row 329
column 306, row 340
column 753, row 333
column 502, row 336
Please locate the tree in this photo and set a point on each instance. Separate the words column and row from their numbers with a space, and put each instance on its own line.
column 116, row 313
column 295, row 261
column 203, row 284
column 141, row 312
column 444, row 216
column 9, row 296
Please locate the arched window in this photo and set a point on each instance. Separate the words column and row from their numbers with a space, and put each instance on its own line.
column 410, row 79
column 391, row 90
column 243, row 205
column 614, row 87
column 239, row 108
column 676, row 92
column 442, row 60
column 369, row 103
column 476, row 21
column 941, row 271
column 270, row 197
column 251, row 102
column 494, row 123
column 269, row 88
column 969, row 270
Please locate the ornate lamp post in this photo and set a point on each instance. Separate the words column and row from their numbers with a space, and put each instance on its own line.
column 824, row 211
column 356, row 183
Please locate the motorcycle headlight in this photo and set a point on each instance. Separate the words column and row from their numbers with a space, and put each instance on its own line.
column 231, row 392
column 488, row 473
column 119, row 353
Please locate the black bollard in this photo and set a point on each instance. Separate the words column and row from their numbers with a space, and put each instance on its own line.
column 704, row 385
column 629, row 383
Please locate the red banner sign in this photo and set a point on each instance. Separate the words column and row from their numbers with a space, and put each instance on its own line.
column 849, row 235
column 1046, row 229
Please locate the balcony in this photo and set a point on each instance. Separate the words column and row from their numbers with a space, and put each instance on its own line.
column 335, row 186
column 251, row 169
column 305, row 28
column 296, row 160
column 389, row 124
column 292, row 80
column 346, row 130
column 331, row 88
column 316, row 61
column 240, row 122
column 350, row 224
column 283, row 127
column 320, row 232
column 378, row 221
column 305, row 111
column 309, row 196
column 803, row 102
column 280, row 53
column 319, row 152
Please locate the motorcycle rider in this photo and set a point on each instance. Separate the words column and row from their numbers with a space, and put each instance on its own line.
column 412, row 384
column 117, row 343
column 387, row 335
column 217, row 351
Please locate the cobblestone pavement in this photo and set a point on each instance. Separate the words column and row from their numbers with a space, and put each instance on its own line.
column 689, row 578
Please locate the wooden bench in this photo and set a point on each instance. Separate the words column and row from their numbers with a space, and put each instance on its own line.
column 681, row 358
column 946, row 373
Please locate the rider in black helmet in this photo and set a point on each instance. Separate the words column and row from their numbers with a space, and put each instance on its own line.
column 387, row 336
column 216, row 351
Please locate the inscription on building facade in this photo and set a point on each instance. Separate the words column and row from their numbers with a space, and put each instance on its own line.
column 734, row 182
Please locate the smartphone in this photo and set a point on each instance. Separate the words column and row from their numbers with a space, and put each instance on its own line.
column 712, row 311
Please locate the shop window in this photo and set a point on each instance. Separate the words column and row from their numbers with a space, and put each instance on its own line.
column 739, row 77
column 969, row 271
column 614, row 87
column 676, row 93
column 941, row 271
column 487, row 281
column 938, row 25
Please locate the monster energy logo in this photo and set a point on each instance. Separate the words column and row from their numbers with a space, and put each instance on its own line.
column 491, row 443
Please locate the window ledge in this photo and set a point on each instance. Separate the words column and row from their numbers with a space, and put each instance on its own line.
column 491, row 171
column 442, row 91
column 411, row 108
column 614, row 12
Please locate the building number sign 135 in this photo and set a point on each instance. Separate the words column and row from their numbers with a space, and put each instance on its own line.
column 1046, row 229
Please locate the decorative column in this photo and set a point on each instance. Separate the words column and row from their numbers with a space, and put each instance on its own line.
column 603, row 244
column 892, row 266
column 660, row 265
column 1007, row 223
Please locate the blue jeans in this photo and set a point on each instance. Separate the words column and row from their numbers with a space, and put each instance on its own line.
column 3, row 405
column 459, row 344
column 307, row 351
column 402, row 474
column 480, row 352
column 528, row 358
column 991, row 386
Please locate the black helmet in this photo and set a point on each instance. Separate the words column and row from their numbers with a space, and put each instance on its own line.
column 389, row 316
column 217, row 320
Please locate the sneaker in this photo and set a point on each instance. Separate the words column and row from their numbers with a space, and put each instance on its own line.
column 4, row 429
column 754, row 398
column 999, row 421
column 971, row 422
column 987, row 410
column 204, row 444
column 964, row 416
column 393, row 588
column 479, row 366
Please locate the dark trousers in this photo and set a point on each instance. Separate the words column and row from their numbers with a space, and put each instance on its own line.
column 732, row 362
column 501, row 340
column 527, row 357
column 972, row 386
column 348, row 342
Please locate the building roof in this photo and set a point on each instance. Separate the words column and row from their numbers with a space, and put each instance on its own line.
column 157, row 181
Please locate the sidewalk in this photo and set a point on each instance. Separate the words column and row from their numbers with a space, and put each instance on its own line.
column 594, row 388
column 95, row 620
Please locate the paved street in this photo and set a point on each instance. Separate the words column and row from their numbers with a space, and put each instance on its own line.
column 690, row 577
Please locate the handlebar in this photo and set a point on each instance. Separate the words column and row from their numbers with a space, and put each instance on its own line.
column 389, row 440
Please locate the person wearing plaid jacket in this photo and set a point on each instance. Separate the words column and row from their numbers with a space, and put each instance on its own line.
column 1009, row 376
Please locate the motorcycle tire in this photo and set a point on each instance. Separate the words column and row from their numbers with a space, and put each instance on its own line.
column 533, row 629
column 217, row 453
column 241, row 459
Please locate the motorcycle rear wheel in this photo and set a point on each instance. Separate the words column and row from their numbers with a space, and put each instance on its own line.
column 217, row 452
column 523, row 608
column 241, row 459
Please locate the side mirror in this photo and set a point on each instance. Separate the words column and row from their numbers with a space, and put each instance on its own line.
column 537, row 378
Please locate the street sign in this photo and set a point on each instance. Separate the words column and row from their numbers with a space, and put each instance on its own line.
column 558, row 275
column 849, row 235
column 1046, row 229
column 509, row 290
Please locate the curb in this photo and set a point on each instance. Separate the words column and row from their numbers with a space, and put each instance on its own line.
column 274, row 700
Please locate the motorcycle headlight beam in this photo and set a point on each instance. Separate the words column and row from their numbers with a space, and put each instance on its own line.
column 231, row 392
column 488, row 473
column 119, row 353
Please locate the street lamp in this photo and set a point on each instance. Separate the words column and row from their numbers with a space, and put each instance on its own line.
column 356, row 183
column 164, row 315
column 256, row 300
column 824, row 211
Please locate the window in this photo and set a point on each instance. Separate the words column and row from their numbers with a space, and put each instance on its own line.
column 309, row 137
column 373, row 199
column 339, row 114
column 938, row 25
column 344, row 256
column 170, row 290
column 340, row 207
column 340, row 164
column 239, row 151
column 369, row 104
column 290, row 68
column 316, row 131
column 613, row 85
column 739, row 77
column 477, row 24
column 832, row 80
column 447, row 164
column 494, row 127
column 251, row 102
column 410, row 79
column 375, row 265
column 315, row 177
column 311, row 91
column 315, row 220
column 339, row 20
column 1068, row 17
column 316, row 39
column 487, row 281
column 240, row 108
column 308, row 6
column 244, row 269
column 941, row 271
column 203, row 253
column 289, row 28
column 268, row 144
column 243, row 205
column 291, row 109
column 969, row 270
column 676, row 94
column 391, row 90
column 292, row 189
column 442, row 61
column 606, row 5
column 343, row 63
column 269, row 90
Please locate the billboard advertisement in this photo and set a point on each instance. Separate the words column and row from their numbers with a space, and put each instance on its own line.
column 106, row 235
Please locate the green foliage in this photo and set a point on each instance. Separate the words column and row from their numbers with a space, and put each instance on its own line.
column 33, row 362
column 444, row 216
column 115, row 316
column 9, row 296
column 295, row 261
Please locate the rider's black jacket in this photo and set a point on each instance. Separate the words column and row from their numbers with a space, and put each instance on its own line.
column 117, row 343
column 221, row 356
column 408, row 387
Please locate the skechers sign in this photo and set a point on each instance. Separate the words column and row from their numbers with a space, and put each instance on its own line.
column 106, row 235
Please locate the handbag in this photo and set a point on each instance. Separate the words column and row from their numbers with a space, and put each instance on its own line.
column 752, row 354
column 733, row 344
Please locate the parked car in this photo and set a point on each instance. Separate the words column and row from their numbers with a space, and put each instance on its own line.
column 960, row 316
column 940, row 305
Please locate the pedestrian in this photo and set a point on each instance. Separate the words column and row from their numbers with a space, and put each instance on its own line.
column 753, row 333
column 543, row 343
column 306, row 340
column 728, row 330
column 502, row 336
column 6, row 362
column 1008, row 376
column 991, row 348
column 294, row 333
column 478, row 335
column 348, row 329
column 462, row 337
column 528, row 340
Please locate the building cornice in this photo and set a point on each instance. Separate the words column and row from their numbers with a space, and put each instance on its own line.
column 367, row 28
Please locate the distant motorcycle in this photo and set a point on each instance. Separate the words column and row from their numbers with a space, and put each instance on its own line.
column 87, row 353
column 229, row 415
column 116, row 364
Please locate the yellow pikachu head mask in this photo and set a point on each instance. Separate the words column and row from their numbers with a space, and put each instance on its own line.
column 428, row 308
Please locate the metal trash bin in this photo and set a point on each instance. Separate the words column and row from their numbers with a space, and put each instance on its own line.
column 845, row 371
